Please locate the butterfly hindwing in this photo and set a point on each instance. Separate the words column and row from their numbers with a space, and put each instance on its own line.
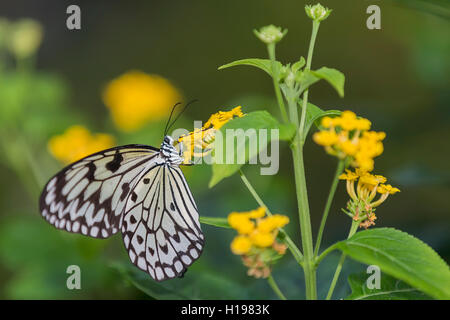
column 161, row 228
column 89, row 196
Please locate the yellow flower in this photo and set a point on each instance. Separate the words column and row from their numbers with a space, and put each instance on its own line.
column 349, row 175
column 241, row 222
column 347, row 137
column 257, row 246
column 241, row 245
column 136, row 98
column 325, row 138
column 217, row 120
column 362, row 202
column 203, row 138
column 262, row 239
column 327, row 122
column 387, row 188
column 347, row 121
column 271, row 223
column 76, row 143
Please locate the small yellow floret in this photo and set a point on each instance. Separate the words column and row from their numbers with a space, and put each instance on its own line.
column 241, row 245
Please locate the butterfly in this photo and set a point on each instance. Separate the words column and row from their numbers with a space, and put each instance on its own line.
column 138, row 190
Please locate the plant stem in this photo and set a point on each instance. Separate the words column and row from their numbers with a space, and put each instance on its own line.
column 275, row 287
column 353, row 229
column 271, row 50
column 339, row 169
column 300, row 183
column 286, row 239
column 312, row 42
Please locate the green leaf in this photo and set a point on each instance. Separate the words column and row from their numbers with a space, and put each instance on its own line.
column 216, row 222
column 306, row 79
column 334, row 77
column 263, row 64
column 390, row 289
column 298, row 65
column 401, row 256
column 151, row 288
column 251, row 122
column 314, row 114
column 197, row 283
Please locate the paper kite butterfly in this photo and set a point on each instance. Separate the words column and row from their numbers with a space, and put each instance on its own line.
column 138, row 190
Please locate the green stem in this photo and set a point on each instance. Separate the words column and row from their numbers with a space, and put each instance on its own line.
column 271, row 50
column 286, row 239
column 315, row 29
column 353, row 229
column 334, row 184
column 300, row 183
column 275, row 288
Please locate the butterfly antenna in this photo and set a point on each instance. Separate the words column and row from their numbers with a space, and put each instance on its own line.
column 170, row 117
column 181, row 112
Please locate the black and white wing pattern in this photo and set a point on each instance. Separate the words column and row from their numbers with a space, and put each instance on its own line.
column 161, row 228
column 89, row 196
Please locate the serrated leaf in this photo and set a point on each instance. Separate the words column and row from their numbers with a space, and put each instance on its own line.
column 334, row 77
column 390, row 289
column 216, row 222
column 256, row 121
column 263, row 64
column 401, row 256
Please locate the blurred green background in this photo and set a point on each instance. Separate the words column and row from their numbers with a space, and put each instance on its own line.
column 398, row 77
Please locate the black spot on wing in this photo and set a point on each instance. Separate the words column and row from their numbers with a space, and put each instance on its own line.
column 125, row 191
column 114, row 164
column 146, row 180
column 90, row 174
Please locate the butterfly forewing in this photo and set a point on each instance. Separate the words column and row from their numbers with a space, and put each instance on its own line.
column 160, row 228
column 89, row 196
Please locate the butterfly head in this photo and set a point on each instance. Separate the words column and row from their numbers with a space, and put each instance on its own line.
column 169, row 151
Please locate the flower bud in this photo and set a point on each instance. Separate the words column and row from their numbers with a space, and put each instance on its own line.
column 317, row 12
column 270, row 34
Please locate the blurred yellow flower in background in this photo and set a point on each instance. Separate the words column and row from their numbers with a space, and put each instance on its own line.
column 77, row 142
column 136, row 98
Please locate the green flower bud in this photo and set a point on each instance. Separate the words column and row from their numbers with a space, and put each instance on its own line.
column 25, row 38
column 270, row 34
column 317, row 12
column 290, row 79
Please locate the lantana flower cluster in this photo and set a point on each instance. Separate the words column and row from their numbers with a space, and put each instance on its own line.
column 200, row 142
column 363, row 198
column 256, row 241
column 348, row 136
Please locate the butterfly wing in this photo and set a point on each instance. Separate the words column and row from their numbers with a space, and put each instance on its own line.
column 89, row 195
column 161, row 228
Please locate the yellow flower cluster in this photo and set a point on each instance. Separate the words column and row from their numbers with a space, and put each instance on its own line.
column 203, row 138
column 257, row 232
column 349, row 136
column 135, row 98
column 362, row 203
column 77, row 142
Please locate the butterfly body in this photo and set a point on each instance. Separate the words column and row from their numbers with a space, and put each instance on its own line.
column 138, row 190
